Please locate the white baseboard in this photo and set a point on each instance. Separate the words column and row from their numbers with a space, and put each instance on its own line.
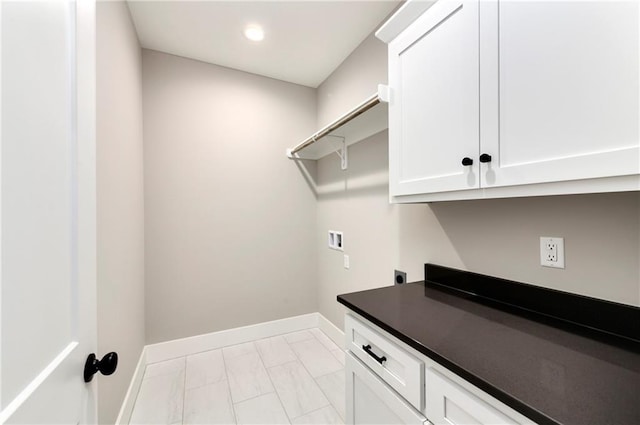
column 197, row 344
column 162, row 351
column 332, row 331
column 130, row 399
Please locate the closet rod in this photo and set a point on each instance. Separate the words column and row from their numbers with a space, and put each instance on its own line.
column 358, row 110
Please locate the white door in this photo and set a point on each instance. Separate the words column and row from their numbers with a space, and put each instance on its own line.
column 47, row 233
column 560, row 90
column 434, row 104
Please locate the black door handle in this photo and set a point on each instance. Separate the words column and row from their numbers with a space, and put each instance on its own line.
column 106, row 366
column 467, row 161
column 367, row 348
column 485, row 157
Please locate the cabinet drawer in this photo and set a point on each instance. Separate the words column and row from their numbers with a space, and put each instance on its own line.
column 371, row 401
column 402, row 371
column 448, row 403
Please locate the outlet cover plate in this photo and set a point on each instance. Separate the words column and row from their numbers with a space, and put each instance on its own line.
column 552, row 252
column 399, row 277
column 336, row 240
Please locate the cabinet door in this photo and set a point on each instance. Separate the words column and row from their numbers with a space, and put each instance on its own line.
column 559, row 90
column 434, row 105
column 371, row 401
column 449, row 404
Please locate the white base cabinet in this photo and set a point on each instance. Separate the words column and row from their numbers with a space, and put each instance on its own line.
column 399, row 369
column 500, row 98
column 371, row 401
column 445, row 398
column 450, row 404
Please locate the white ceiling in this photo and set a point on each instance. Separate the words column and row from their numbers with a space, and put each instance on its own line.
column 304, row 40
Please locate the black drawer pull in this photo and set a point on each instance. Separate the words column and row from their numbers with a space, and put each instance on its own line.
column 367, row 348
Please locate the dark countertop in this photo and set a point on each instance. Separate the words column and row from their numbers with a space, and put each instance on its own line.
column 547, row 373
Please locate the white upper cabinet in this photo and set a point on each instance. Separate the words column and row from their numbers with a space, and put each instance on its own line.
column 547, row 91
column 434, row 104
column 562, row 90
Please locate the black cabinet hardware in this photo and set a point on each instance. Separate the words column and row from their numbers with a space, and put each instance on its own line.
column 485, row 157
column 106, row 366
column 367, row 348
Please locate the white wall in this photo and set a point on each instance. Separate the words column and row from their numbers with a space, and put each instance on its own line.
column 120, row 220
column 379, row 237
column 501, row 237
column 495, row 237
column 353, row 81
column 230, row 221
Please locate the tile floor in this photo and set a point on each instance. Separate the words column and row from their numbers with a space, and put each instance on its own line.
column 294, row 378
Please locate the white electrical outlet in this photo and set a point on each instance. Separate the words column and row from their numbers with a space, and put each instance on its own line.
column 346, row 261
column 552, row 252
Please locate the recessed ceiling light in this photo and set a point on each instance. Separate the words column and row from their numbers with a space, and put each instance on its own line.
column 254, row 33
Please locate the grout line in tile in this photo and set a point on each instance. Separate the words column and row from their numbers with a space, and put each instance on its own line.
column 325, row 393
column 226, row 375
column 330, row 402
column 200, row 386
column 322, row 332
column 282, row 364
column 273, row 385
column 251, row 398
column 319, row 408
column 305, row 368
column 334, row 355
column 312, row 377
column 326, row 374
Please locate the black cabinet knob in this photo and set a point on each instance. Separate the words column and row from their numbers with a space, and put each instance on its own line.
column 467, row 161
column 485, row 157
column 106, row 366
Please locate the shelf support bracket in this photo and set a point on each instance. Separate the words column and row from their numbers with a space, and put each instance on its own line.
column 341, row 152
